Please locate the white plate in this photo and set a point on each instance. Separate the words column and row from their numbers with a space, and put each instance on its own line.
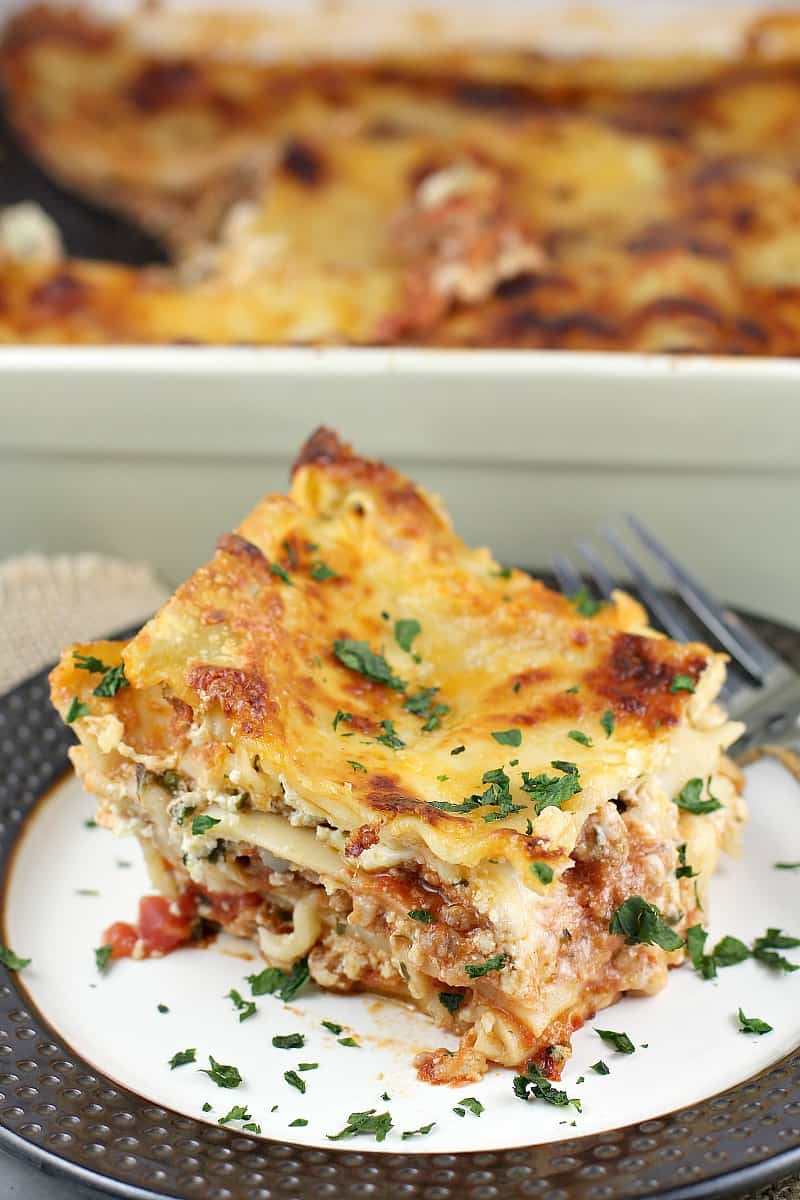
column 688, row 1046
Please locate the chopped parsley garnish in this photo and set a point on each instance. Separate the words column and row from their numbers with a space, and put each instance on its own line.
column 245, row 1008
column 222, row 1074
column 585, row 604
column 688, row 798
column 681, row 683
column 389, row 737
column 341, row 716
column 374, row 1124
column 608, row 721
column 543, row 871
column 289, row 1041
column 112, row 682
column 787, row 866
column 434, row 721
column 573, row 690
column 357, row 656
column 333, row 1027
column 502, row 573
column 251, row 1127
column 535, row 1086
column 349, row 1041
column 752, row 1024
column 620, row 1041
column 11, row 960
column 452, row 1001
column 458, row 750
column 508, row 737
column 729, row 951
column 282, row 574
column 320, row 571
column 102, row 957
column 162, row 1008
column 88, row 662
column 297, row 1123
column 684, row 871
column 237, row 1113
column 474, row 1106
column 286, row 984
column 76, row 710
column 355, row 765
column 308, row 1066
column 764, row 950
column 385, row 1097
column 600, row 1068
column 420, row 702
column 182, row 1058
column 202, row 823
column 423, row 915
column 552, row 790
column 423, row 1129
column 404, row 633
column 442, row 778
column 207, row 1107
column 578, row 735
column 294, row 1080
column 86, row 892
column 90, row 824
column 704, row 964
column 640, row 923
column 496, row 963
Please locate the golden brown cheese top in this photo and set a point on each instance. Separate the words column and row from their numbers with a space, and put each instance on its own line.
column 456, row 199
column 380, row 668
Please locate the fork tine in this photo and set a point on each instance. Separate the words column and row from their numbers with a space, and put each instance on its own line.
column 569, row 580
column 605, row 584
column 663, row 608
column 744, row 647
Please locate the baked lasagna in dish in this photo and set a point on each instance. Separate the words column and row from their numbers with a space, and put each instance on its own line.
column 377, row 752
column 448, row 199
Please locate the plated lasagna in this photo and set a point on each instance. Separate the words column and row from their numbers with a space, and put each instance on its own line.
column 495, row 198
column 399, row 766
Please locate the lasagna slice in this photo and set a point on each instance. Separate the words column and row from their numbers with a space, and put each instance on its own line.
column 371, row 748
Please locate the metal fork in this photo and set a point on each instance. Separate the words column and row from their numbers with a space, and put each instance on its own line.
column 761, row 689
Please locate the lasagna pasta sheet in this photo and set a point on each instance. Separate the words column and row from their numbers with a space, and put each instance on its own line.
column 353, row 738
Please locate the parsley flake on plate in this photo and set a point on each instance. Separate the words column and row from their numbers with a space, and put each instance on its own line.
column 681, row 683
column 764, row 950
column 370, row 1123
column 452, row 1001
column 349, row 1041
column 620, row 1041
column 202, row 823
column 423, row 1129
column 298, row 1123
column 600, row 1068
column 286, row 984
column 289, row 1041
column 473, row 1105
column 640, row 923
column 222, row 1074
column 423, row 915
column 162, row 1008
column 182, row 1058
column 294, row 1080
column 245, row 1008
column 578, row 735
column 237, row 1113
column 76, row 710
column 787, row 866
column 535, row 1086
column 608, row 722
column 752, row 1024
column 320, row 571
column 308, row 1066
column 689, row 798
column 496, row 963
column 11, row 960
column 207, row 1107
column 508, row 737
column 405, row 631
column 332, row 1027
column 543, row 871
column 102, row 957
column 359, row 657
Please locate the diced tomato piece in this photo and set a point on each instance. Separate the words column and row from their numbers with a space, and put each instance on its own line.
column 159, row 928
column 121, row 937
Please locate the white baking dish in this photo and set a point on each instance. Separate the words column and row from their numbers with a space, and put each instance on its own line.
column 152, row 452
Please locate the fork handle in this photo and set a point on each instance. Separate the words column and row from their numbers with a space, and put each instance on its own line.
column 773, row 727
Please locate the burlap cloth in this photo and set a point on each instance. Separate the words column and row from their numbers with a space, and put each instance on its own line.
column 47, row 602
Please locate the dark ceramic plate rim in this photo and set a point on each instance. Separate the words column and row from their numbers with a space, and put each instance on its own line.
column 73, row 1122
